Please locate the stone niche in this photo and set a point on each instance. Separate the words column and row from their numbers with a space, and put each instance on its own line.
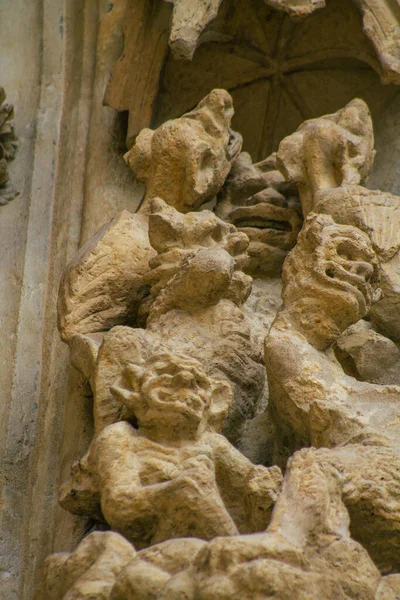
column 215, row 420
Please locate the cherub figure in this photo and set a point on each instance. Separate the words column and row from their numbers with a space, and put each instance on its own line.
column 167, row 473
column 329, row 283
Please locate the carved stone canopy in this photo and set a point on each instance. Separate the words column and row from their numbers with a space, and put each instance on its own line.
column 379, row 18
column 249, row 44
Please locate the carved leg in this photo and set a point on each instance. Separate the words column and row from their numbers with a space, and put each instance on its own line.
column 310, row 502
column 89, row 572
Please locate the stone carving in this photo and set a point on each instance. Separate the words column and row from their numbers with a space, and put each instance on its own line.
column 380, row 24
column 199, row 264
column 329, row 159
column 103, row 285
column 197, row 289
column 313, row 555
column 105, row 565
column 186, row 161
column 8, row 148
column 91, row 569
column 357, row 349
column 189, row 20
column 173, row 476
column 259, row 46
column 200, row 261
column 259, row 202
column 171, row 349
column 329, row 283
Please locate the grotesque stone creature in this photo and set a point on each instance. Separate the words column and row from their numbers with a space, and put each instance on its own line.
column 197, row 289
column 167, row 473
column 200, row 260
column 185, row 162
column 307, row 549
column 329, row 159
column 259, row 202
column 329, row 283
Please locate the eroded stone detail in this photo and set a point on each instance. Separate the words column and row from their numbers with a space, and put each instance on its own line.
column 8, row 148
column 253, row 46
column 186, row 160
column 380, row 23
column 330, row 282
column 172, row 357
column 171, row 475
column 257, row 199
column 330, row 159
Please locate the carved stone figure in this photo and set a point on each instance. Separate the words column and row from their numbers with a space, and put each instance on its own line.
column 199, row 310
column 329, row 159
column 312, row 554
column 90, row 571
column 8, row 148
column 171, row 349
column 329, row 283
column 260, row 51
column 197, row 289
column 185, row 162
column 259, row 202
column 172, row 476
column 105, row 565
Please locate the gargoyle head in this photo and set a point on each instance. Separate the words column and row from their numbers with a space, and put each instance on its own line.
column 329, row 279
column 200, row 260
column 185, row 161
column 171, row 394
column 327, row 152
column 259, row 202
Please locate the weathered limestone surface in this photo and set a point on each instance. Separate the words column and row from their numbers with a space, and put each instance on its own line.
column 264, row 56
column 164, row 384
column 313, row 402
column 8, row 148
column 162, row 317
column 48, row 69
column 172, row 476
column 329, row 159
column 186, row 161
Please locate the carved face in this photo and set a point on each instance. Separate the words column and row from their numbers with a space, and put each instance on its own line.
column 330, row 277
column 272, row 227
column 327, row 152
column 185, row 161
column 175, row 384
column 255, row 202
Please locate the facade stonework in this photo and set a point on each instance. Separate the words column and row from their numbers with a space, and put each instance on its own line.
column 201, row 284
